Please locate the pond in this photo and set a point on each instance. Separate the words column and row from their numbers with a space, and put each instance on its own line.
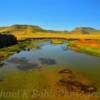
column 53, row 54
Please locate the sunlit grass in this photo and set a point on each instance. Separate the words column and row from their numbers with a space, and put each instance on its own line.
column 85, row 48
column 7, row 51
column 56, row 41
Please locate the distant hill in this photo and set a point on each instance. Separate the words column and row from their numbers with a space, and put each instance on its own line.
column 24, row 29
column 29, row 31
column 21, row 29
column 85, row 30
column 22, row 32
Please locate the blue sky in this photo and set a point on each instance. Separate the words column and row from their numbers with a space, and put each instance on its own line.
column 51, row 14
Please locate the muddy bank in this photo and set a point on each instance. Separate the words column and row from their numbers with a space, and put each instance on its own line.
column 72, row 83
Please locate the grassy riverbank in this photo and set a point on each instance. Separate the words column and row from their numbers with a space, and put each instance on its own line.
column 7, row 51
column 89, row 47
column 52, row 80
column 22, row 45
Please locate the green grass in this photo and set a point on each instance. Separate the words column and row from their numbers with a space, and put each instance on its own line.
column 56, row 41
column 7, row 51
column 87, row 49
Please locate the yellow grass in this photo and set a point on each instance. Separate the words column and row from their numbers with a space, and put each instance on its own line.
column 21, row 36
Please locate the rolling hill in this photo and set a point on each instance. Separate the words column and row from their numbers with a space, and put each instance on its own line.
column 85, row 30
column 30, row 31
column 21, row 29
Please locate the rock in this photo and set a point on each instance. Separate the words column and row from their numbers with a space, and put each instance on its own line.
column 67, row 74
column 89, row 89
column 1, row 64
column 27, row 66
column 70, row 81
column 28, row 49
column 18, row 51
column 77, row 86
column 17, row 60
column 65, row 71
column 47, row 61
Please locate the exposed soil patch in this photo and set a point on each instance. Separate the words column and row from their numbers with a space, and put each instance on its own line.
column 72, row 83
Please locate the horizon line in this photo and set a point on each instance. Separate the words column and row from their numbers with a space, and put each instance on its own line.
column 43, row 27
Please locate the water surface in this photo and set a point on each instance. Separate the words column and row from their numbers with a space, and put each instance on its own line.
column 55, row 55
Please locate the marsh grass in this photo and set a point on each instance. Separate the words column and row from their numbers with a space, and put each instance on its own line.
column 37, row 80
column 8, row 51
column 57, row 41
column 38, row 84
column 88, row 49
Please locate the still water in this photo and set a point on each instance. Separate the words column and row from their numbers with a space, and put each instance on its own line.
column 49, row 54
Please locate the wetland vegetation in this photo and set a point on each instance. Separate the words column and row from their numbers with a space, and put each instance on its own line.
column 26, row 69
column 54, row 65
column 91, row 47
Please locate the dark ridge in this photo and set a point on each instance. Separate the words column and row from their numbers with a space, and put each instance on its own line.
column 7, row 40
